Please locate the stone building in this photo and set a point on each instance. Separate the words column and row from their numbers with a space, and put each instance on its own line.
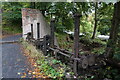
column 34, row 22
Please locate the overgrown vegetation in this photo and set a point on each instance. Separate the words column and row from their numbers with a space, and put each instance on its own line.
column 64, row 41
column 12, row 29
column 108, row 23
column 49, row 66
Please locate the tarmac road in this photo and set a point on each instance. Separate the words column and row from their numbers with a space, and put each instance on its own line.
column 13, row 61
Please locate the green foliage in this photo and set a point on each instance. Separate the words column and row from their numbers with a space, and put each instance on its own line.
column 31, row 50
column 63, row 19
column 11, row 11
column 87, row 40
column 46, row 67
column 11, row 16
column 45, row 63
column 117, row 53
column 104, row 30
column 98, row 50
column 64, row 41
column 105, row 13
column 48, row 70
column 100, row 41
column 63, row 13
column 86, row 25
column 109, row 73
column 12, row 29
column 54, row 61
column 81, row 52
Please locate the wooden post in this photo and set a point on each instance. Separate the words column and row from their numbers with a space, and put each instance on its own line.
column 52, row 25
column 76, row 40
column 45, row 46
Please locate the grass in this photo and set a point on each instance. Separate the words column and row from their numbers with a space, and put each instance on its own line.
column 11, row 29
column 99, row 50
column 64, row 41
column 45, row 64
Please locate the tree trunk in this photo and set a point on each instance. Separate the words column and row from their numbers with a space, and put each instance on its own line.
column 114, row 31
column 76, row 41
column 95, row 25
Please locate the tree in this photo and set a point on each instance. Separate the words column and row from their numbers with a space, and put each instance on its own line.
column 111, row 45
column 12, row 12
column 95, row 25
column 105, row 14
column 44, row 7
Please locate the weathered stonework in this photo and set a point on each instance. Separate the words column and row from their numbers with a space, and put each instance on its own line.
column 34, row 16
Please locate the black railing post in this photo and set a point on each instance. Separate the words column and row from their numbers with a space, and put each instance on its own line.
column 76, row 41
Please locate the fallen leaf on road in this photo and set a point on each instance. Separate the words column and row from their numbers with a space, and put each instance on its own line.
column 18, row 73
column 18, row 60
column 23, row 76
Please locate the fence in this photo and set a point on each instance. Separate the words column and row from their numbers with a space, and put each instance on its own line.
column 46, row 44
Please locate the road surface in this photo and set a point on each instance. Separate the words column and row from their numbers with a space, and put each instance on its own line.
column 13, row 61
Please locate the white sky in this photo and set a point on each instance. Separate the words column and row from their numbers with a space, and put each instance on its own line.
column 59, row 0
